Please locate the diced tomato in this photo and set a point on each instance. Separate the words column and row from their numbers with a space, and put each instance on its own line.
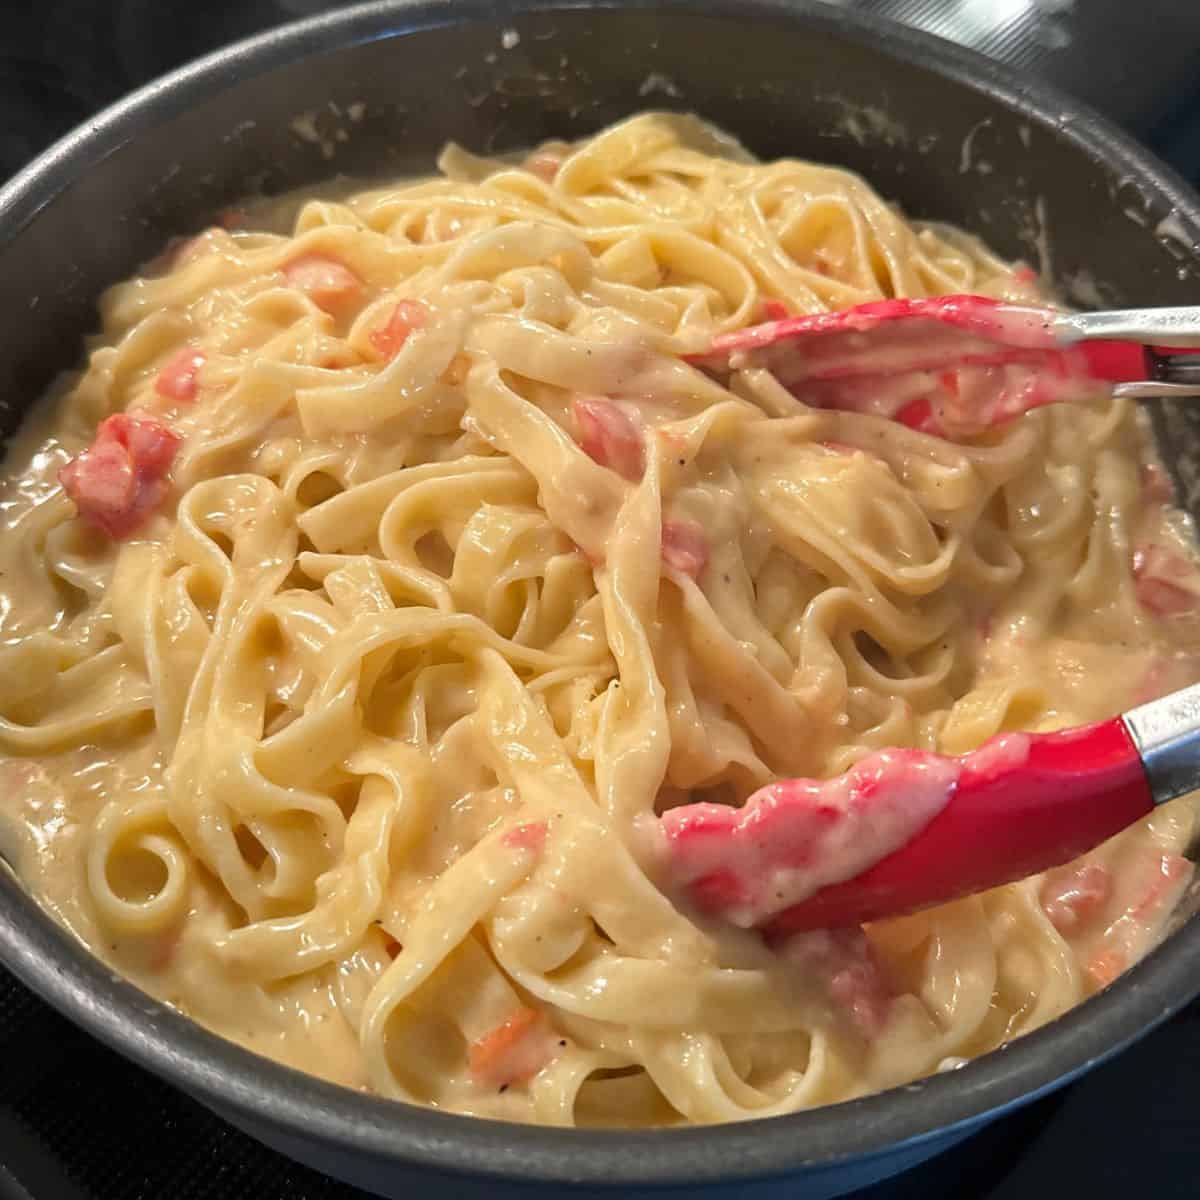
column 329, row 283
column 919, row 415
column 685, row 547
column 1165, row 582
column 864, row 995
column 544, row 164
column 232, row 218
column 609, row 436
column 1164, row 599
column 122, row 477
column 854, row 977
column 529, row 835
column 1025, row 275
column 405, row 317
column 179, row 378
column 860, row 983
column 513, row 1052
column 1074, row 897
column 775, row 310
column 101, row 480
column 152, row 444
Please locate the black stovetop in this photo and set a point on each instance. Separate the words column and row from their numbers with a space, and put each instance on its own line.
column 79, row 1123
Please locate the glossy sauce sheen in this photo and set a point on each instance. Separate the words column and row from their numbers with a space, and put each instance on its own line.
column 356, row 735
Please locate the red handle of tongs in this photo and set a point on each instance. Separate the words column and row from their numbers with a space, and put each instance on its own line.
column 1014, row 818
column 1005, row 821
column 1125, row 362
column 1019, row 805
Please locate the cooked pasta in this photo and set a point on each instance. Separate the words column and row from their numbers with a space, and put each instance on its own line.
column 415, row 571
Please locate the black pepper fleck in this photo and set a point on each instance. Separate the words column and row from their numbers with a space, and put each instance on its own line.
column 504, row 1087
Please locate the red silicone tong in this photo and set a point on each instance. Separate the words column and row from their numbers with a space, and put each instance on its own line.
column 1021, row 804
column 956, row 365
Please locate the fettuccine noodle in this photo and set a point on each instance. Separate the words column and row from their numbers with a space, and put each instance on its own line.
column 353, row 750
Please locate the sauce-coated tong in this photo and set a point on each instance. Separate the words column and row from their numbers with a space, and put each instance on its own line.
column 1020, row 804
column 957, row 365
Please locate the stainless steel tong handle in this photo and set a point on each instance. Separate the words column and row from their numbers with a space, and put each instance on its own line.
column 1159, row 329
column 1163, row 327
column 1156, row 389
column 1166, row 732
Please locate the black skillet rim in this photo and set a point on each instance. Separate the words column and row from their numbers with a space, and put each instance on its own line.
column 267, row 1096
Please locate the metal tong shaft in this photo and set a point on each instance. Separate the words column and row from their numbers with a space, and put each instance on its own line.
column 1160, row 330
column 1166, row 733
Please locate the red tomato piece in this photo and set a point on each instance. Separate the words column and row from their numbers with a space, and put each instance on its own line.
column 530, row 835
column 854, row 977
column 328, row 282
column 1074, row 897
column 120, row 480
column 610, row 436
column 544, row 165
column 685, row 547
column 864, row 995
column 407, row 316
column 919, row 415
column 513, row 1052
column 1165, row 582
column 179, row 377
